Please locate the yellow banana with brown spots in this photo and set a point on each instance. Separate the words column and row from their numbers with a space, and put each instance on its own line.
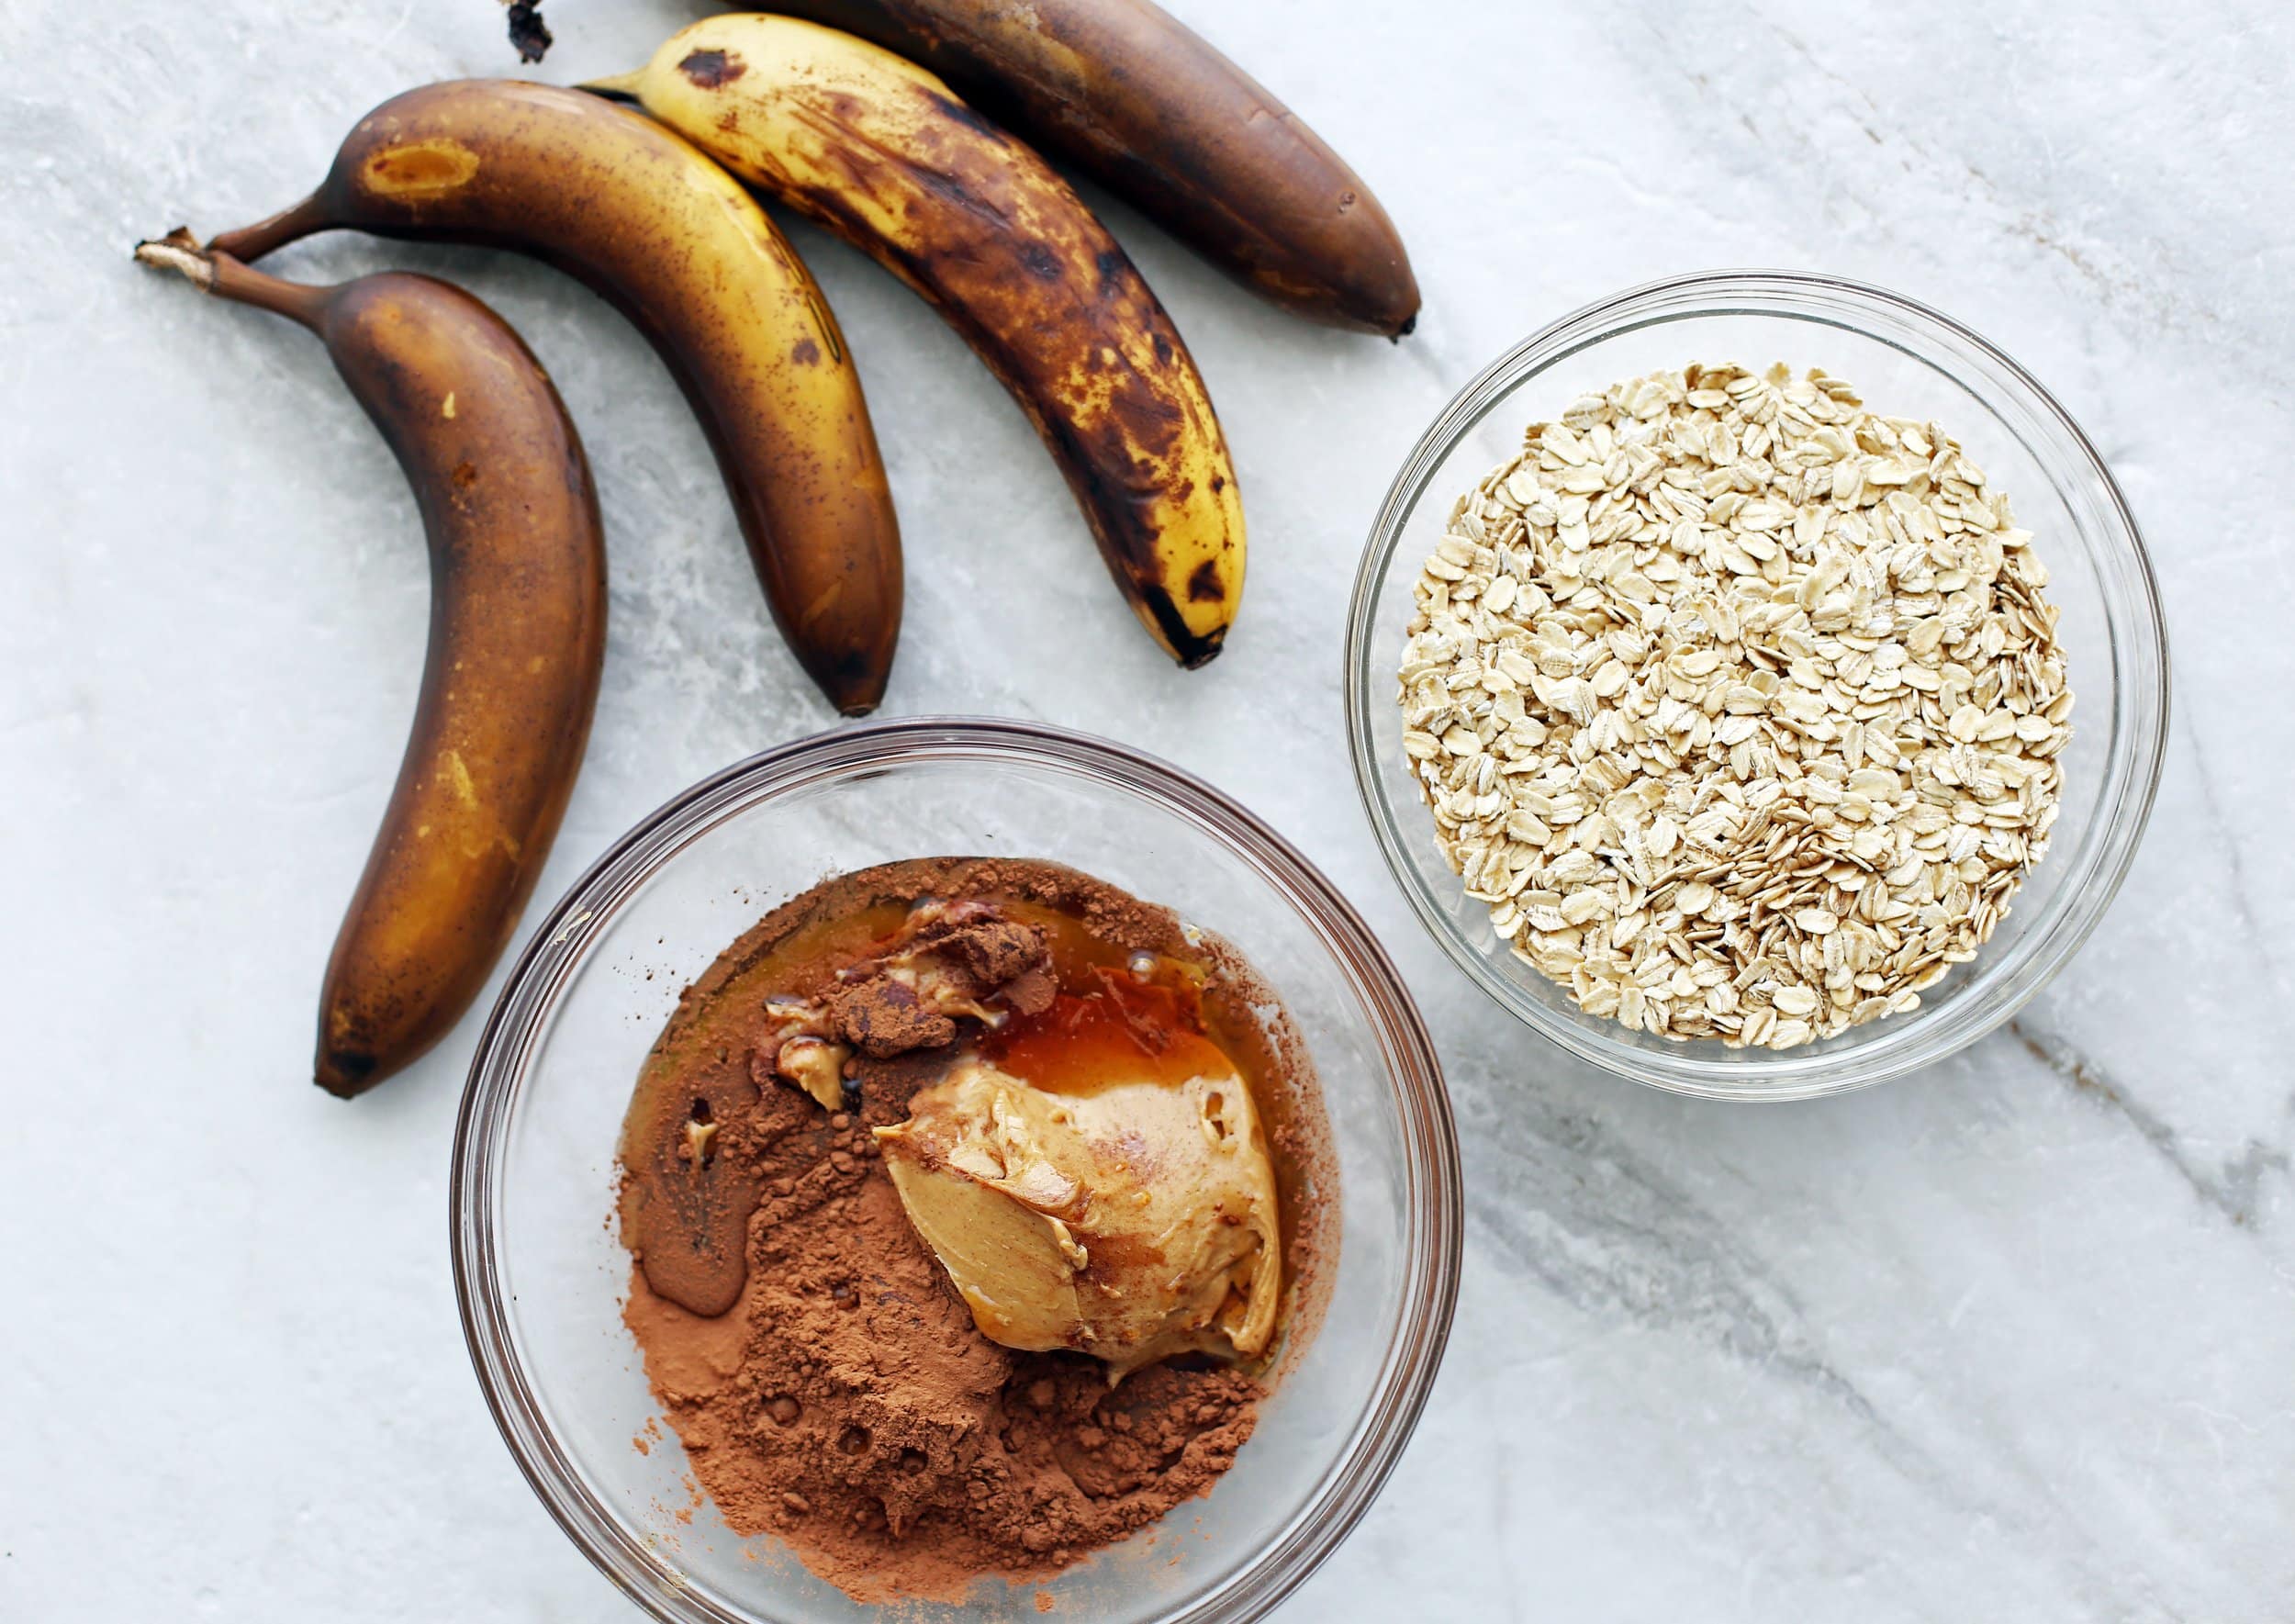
column 886, row 157
column 690, row 257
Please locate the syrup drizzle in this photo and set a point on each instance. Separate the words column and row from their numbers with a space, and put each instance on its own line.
column 1116, row 1029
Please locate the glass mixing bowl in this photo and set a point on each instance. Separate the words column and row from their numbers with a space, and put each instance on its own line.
column 1905, row 360
column 540, row 1273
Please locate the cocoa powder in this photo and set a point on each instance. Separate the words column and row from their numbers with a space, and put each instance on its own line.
column 847, row 1404
column 859, row 1414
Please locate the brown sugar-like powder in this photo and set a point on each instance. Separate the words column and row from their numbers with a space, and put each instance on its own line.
column 848, row 1405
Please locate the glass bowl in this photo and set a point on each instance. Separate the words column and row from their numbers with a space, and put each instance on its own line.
column 540, row 1273
column 1905, row 360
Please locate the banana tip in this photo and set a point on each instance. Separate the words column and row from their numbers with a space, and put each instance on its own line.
column 346, row 1073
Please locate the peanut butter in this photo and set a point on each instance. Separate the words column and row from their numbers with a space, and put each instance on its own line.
column 1131, row 1222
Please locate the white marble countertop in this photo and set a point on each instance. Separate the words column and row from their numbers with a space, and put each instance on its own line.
column 2011, row 1338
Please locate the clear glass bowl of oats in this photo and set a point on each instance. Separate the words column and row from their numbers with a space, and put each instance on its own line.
column 1706, row 842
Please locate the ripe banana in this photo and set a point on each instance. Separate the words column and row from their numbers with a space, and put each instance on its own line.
column 518, row 637
column 1138, row 101
column 882, row 155
column 690, row 258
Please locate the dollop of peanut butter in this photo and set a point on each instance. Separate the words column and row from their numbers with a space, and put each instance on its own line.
column 1130, row 1222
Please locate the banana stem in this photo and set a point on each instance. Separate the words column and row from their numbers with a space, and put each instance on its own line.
column 620, row 87
column 175, row 252
column 251, row 242
column 224, row 276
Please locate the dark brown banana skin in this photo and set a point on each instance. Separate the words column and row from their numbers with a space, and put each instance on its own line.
column 518, row 640
column 615, row 200
column 1136, row 99
column 509, row 680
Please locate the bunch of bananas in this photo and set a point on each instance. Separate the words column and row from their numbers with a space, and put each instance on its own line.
column 642, row 187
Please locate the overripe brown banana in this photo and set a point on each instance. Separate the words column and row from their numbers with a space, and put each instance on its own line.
column 881, row 153
column 518, row 636
column 1143, row 105
column 663, row 233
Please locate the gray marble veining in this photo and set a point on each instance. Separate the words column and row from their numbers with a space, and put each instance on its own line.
column 2011, row 1338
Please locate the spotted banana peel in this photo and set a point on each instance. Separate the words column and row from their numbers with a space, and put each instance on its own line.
column 613, row 198
column 886, row 157
column 517, row 642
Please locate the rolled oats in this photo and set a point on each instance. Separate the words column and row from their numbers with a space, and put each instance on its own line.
column 1740, row 706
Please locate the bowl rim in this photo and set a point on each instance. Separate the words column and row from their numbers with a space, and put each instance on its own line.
column 2131, row 776
column 1432, row 1182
